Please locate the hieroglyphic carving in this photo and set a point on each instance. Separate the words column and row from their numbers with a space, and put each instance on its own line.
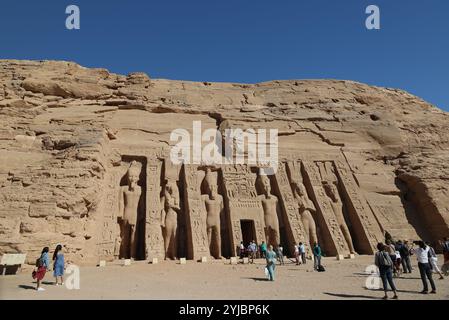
column 294, row 228
column 241, row 197
column 237, row 231
column 334, row 239
column 196, row 216
column 331, row 186
column 154, row 240
column 109, row 243
column 357, row 202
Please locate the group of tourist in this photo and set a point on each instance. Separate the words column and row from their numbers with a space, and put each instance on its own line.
column 273, row 255
column 391, row 256
column 43, row 265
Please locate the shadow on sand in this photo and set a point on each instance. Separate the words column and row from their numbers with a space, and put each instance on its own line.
column 26, row 287
column 257, row 279
column 354, row 296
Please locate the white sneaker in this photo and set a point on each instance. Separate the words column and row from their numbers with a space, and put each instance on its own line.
column 40, row 289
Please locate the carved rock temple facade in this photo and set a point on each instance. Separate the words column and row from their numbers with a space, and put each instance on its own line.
column 85, row 162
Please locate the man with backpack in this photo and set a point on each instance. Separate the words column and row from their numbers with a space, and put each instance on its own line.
column 383, row 261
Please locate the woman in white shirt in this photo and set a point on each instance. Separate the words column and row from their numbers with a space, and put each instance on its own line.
column 422, row 254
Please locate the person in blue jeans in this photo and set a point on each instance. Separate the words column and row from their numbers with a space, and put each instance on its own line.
column 316, row 255
column 383, row 261
column 270, row 256
column 58, row 265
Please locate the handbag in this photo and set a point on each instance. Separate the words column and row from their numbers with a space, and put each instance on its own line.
column 267, row 274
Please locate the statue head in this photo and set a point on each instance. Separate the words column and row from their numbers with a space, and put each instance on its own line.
column 211, row 184
column 299, row 188
column 133, row 173
column 331, row 190
column 265, row 183
column 171, row 192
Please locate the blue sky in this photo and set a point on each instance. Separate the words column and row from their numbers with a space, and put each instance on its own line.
column 242, row 40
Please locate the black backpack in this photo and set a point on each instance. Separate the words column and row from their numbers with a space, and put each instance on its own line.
column 321, row 268
column 39, row 262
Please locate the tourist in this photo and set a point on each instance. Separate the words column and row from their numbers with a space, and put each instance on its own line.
column 434, row 261
column 398, row 261
column 42, row 265
column 271, row 262
column 445, row 245
column 316, row 255
column 242, row 250
column 280, row 254
column 422, row 254
column 263, row 249
column 404, row 251
column 252, row 248
column 302, row 252
column 383, row 261
column 391, row 250
column 58, row 264
column 296, row 253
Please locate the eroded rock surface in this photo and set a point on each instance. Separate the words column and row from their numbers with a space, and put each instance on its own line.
column 68, row 135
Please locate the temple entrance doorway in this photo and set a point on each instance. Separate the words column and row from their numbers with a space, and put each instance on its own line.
column 248, row 231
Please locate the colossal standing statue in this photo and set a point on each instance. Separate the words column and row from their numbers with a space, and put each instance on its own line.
column 270, row 207
column 214, row 206
column 129, row 211
column 169, row 219
column 306, row 211
column 337, row 207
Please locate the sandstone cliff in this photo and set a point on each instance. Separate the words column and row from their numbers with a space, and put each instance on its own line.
column 64, row 128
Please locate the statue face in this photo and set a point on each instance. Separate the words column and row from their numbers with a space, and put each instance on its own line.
column 331, row 190
column 213, row 190
column 266, row 184
column 301, row 189
column 133, row 178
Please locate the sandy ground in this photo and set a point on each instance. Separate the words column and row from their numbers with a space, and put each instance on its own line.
column 217, row 280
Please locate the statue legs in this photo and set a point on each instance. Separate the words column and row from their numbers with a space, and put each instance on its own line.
column 310, row 227
column 132, row 242
column 214, row 238
column 170, row 241
column 272, row 235
column 347, row 235
column 124, row 243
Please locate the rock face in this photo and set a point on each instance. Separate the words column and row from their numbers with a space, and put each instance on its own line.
column 355, row 162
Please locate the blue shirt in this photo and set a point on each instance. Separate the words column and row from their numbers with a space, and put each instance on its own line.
column 45, row 260
column 317, row 251
column 270, row 257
